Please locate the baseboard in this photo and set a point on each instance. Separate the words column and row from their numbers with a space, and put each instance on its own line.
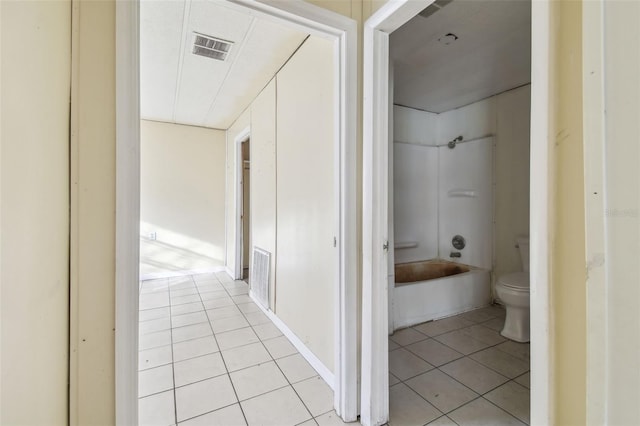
column 182, row 273
column 230, row 272
column 306, row 353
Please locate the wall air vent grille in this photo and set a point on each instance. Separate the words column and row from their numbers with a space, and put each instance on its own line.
column 211, row 47
column 260, row 276
column 434, row 7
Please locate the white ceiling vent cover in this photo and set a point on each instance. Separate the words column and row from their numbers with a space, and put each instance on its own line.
column 211, row 47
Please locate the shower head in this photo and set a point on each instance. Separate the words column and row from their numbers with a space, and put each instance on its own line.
column 452, row 144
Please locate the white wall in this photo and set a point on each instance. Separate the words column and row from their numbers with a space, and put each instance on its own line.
column 263, row 177
column 306, row 216
column 439, row 193
column 465, row 201
column 35, row 79
column 415, row 184
column 511, row 170
column 182, row 175
column 415, row 199
column 612, row 190
column 414, row 126
column 472, row 121
column 293, row 192
column 506, row 116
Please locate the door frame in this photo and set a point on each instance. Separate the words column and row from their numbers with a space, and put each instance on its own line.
column 315, row 20
column 375, row 302
column 243, row 136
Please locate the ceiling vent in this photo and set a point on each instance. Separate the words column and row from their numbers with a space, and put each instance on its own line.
column 211, row 47
column 434, row 7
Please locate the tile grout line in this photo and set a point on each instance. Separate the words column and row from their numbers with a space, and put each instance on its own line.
column 209, row 412
column 503, row 409
column 280, row 369
column 245, row 315
column 463, row 355
column 166, row 290
column 456, row 380
column 219, row 351
column 173, row 364
column 473, row 353
column 444, row 415
column 480, row 395
column 224, row 362
column 157, row 331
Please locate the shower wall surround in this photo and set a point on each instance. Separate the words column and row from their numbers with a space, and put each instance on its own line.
column 415, row 199
column 439, row 193
column 465, row 201
column 430, row 206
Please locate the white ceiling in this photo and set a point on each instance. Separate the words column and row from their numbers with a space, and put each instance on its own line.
column 179, row 87
column 491, row 55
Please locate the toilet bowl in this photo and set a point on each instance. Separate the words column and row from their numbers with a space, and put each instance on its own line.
column 513, row 290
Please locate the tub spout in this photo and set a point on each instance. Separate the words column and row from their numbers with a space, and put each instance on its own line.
column 455, row 254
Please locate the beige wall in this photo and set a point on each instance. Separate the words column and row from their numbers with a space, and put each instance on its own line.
column 182, row 175
column 93, row 170
column 568, row 268
column 263, row 177
column 181, row 198
column 343, row 7
column 372, row 6
column 306, row 217
column 34, row 211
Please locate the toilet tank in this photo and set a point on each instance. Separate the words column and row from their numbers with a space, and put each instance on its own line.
column 523, row 246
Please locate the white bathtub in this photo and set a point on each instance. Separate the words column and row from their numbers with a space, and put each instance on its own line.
column 434, row 289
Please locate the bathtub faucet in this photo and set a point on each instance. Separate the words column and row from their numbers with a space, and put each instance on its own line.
column 455, row 254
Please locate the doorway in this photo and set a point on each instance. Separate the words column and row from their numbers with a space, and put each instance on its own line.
column 378, row 244
column 245, row 211
column 342, row 33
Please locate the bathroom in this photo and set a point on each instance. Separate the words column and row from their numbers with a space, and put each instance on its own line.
column 476, row 192
column 459, row 204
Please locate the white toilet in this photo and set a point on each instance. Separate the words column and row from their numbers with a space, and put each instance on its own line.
column 513, row 290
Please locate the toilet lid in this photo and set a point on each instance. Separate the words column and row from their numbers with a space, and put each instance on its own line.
column 516, row 281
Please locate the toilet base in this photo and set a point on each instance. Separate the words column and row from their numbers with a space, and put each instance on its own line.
column 516, row 324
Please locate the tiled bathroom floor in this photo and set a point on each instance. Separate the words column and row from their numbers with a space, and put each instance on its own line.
column 458, row 371
column 209, row 356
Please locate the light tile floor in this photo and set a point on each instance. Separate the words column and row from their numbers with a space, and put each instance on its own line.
column 458, row 371
column 209, row 356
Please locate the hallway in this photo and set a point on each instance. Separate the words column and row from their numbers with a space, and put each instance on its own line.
column 208, row 355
